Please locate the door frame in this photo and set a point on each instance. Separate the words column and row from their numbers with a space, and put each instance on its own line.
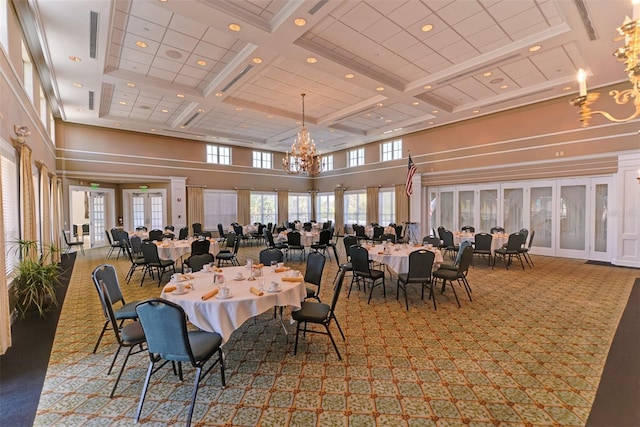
column 110, row 208
column 126, row 205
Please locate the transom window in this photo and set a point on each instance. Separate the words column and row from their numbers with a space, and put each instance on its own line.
column 327, row 163
column 356, row 157
column 262, row 159
column 218, row 154
column 391, row 150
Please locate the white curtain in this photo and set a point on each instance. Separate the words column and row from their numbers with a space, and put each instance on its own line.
column 5, row 314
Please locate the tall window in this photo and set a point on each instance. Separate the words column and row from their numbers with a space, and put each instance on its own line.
column 355, row 208
column 43, row 107
column 391, row 150
column 300, row 207
column 264, row 208
column 262, row 159
column 387, row 206
column 52, row 128
column 326, row 206
column 220, row 207
column 356, row 157
column 327, row 162
column 10, row 203
column 27, row 72
column 218, row 154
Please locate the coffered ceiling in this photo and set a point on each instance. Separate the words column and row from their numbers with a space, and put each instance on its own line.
column 370, row 69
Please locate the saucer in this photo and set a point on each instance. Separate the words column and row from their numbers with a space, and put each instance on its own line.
column 221, row 297
column 238, row 279
column 275, row 291
column 180, row 293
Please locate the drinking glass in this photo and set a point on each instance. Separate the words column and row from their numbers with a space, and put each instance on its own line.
column 274, row 263
column 187, row 270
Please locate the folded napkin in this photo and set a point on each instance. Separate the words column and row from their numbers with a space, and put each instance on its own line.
column 210, row 294
column 171, row 288
column 186, row 277
column 256, row 291
column 282, row 269
column 217, row 270
column 258, row 265
column 380, row 253
column 292, row 279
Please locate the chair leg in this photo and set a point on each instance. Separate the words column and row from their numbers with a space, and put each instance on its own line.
column 144, row 391
column 124, row 363
column 326, row 326
column 104, row 328
column 295, row 348
column 194, row 393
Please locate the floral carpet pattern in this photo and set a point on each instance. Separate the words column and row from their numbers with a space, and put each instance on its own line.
column 528, row 351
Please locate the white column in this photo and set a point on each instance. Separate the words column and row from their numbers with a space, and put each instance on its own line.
column 625, row 219
column 178, row 202
column 415, row 207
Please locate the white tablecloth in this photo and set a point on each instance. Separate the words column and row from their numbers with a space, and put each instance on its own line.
column 306, row 237
column 398, row 257
column 177, row 248
column 226, row 315
column 497, row 241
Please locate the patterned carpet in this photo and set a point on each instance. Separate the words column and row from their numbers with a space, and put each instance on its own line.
column 528, row 351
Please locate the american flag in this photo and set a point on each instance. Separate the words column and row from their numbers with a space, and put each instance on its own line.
column 411, row 170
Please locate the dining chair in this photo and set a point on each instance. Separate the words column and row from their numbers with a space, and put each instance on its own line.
column 183, row 233
column 221, row 234
column 482, row 246
column 155, row 234
column 431, row 240
column 363, row 271
column 72, row 243
column 135, row 261
column 113, row 237
column 128, row 336
column 106, row 274
column 323, row 242
column 526, row 250
column 386, row 237
column 199, row 247
column 197, row 228
column 295, row 244
column 514, row 244
column 496, row 229
column 320, row 314
column 136, row 246
column 333, row 243
column 454, row 266
column 378, row 231
column 168, row 340
column 150, row 252
column 313, row 274
column 170, row 227
column 196, row 262
column 448, row 243
column 270, row 254
column 468, row 229
column 420, row 266
column 232, row 257
column 459, row 275
column 347, row 241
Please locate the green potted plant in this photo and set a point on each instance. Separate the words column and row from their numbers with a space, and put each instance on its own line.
column 35, row 278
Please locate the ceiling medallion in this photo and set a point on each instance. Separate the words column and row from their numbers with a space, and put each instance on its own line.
column 303, row 159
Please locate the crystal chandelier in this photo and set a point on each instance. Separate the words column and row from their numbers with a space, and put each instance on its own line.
column 303, row 159
column 628, row 54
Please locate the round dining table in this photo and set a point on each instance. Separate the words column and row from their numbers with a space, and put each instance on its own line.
column 174, row 249
column 225, row 315
column 497, row 241
column 397, row 257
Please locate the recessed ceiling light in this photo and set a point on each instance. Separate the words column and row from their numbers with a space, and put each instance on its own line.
column 269, row 116
column 182, row 126
column 427, row 87
column 379, row 104
column 566, row 88
column 141, row 44
column 426, row 28
column 257, row 60
column 504, row 86
column 415, row 103
column 80, row 110
column 331, row 130
column 152, row 129
column 487, row 74
column 434, row 111
column 218, row 94
column 379, row 88
column 312, row 60
column 117, row 125
column 122, row 103
column 75, row 59
column 201, row 62
column 430, row 123
column 174, row 54
column 164, row 110
column 180, row 95
column 200, row 110
column 475, row 111
column 234, row 27
column 300, row 22
column 535, row 48
column 368, row 115
column 388, row 121
column 349, row 76
column 76, row 84
column 238, row 109
column 130, row 84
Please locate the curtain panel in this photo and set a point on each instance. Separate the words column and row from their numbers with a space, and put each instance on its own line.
column 28, row 197
column 373, row 204
column 5, row 313
column 244, row 207
column 45, row 192
column 56, row 194
column 283, row 207
column 402, row 204
column 195, row 205
column 338, row 203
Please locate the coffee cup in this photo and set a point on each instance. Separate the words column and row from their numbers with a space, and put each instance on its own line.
column 274, row 286
column 429, row 246
column 224, row 292
column 296, row 273
column 238, row 275
column 280, row 264
column 180, row 288
column 206, row 268
column 175, row 278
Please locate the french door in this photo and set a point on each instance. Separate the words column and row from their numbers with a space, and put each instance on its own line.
column 98, row 215
column 145, row 209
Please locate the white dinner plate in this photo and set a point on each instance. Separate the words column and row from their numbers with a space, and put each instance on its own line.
column 221, row 297
column 180, row 293
column 239, row 279
column 273, row 292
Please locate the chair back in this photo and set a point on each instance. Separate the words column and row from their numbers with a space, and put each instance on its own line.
column 336, row 289
column 106, row 302
column 359, row 231
column 468, row 228
column 447, row 238
column 108, row 237
column 388, row 236
column 496, row 229
column 377, row 232
column 141, row 228
column 525, row 233
column 465, row 260
column 165, row 327
column 231, row 240
column 197, row 228
column 150, row 252
column 441, row 230
column 465, row 244
column 515, row 242
column 106, row 273
column 268, row 237
column 170, row 227
column 236, row 246
column 270, row 254
column 66, row 238
column 293, row 238
column 398, row 232
column 307, row 226
column 533, row 233
column 325, row 237
column 482, row 241
column 114, row 236
column 360, row 260
column 315, row 266
column 199, row 247
column 196, row 262
column 237, row 228
column 221, row 231
column 349, row 241
column 155, row 234
column 420, row 265
column 136, row 245
column 183, row 233
column 431, row 240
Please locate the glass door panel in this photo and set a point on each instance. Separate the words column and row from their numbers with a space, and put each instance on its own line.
column 513, row 209
column 465, row 208
column 433, row 211
column 572, row 211
column 98, row 215
column 541, row 213
column 488, row 210
column 145, row 210
column 446, row 210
